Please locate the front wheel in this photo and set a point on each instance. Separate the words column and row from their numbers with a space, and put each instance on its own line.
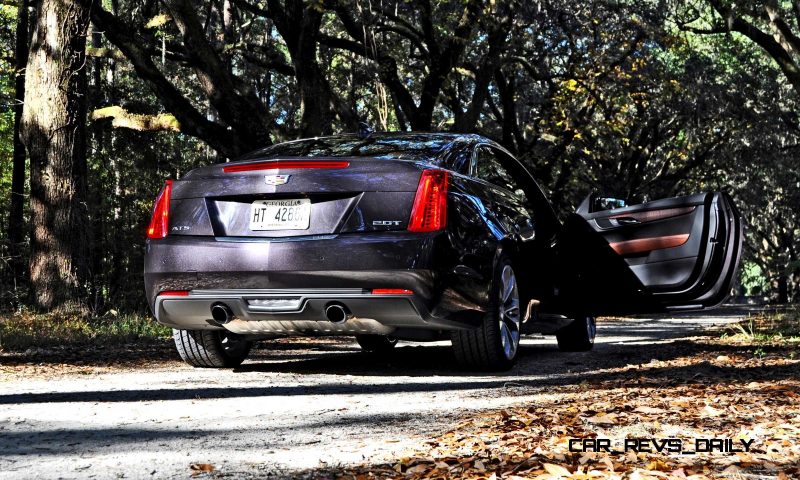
column 578, row 336
column 494, row 345
column 211, row 348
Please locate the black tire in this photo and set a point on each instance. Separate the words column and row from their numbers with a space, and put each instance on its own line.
column 376, row 343
column 495, row 344
column 211, row 348
column 578, row 336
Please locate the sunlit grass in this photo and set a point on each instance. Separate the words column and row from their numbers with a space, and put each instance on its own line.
column 767, row 328
column 21, row 331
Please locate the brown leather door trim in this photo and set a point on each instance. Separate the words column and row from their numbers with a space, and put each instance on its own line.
column 641, row 245
column 653, row 215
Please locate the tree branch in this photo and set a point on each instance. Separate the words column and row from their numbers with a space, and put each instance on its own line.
column 121, row 118
column 192, row 122
column 783, row 34
column 387, row 65
column 235, row 102
column 774, row 49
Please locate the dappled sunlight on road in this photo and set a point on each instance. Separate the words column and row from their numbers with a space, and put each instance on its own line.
column 297, row 403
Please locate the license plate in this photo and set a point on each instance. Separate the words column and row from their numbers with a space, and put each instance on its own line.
column 289, row 214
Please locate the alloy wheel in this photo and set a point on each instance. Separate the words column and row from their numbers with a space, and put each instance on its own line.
column 509, row 313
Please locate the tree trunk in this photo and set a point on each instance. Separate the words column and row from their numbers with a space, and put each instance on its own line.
column 299, row 26
column 16, row 222
column 54, row 132
column 316, row 116
column 317, row 99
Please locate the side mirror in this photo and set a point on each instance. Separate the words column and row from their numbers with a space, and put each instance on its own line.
column 593, row 204
column 608, row 203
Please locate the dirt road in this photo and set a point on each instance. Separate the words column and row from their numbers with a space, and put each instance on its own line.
column 295, row 405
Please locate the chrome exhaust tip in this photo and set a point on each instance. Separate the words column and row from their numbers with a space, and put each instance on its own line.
column 337, row 313
column 221, row 313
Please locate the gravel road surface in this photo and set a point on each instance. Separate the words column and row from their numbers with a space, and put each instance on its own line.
column 297, row 404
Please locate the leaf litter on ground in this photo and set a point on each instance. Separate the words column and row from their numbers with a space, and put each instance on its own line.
column 703, row 395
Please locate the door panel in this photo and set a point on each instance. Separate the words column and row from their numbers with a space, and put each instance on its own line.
column 683, row 253
column 660, row 241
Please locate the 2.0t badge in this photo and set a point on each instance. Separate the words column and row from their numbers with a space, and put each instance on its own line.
column 276, row 179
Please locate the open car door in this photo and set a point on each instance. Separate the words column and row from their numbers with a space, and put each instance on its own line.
column 670, row 254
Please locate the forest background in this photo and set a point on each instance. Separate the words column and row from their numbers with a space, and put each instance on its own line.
column 101, row 101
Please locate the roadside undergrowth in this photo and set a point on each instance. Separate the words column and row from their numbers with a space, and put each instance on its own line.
column 45, row 346
column 22, row 331
column 767, row 328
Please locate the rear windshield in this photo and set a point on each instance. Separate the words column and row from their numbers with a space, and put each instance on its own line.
column 402, row 147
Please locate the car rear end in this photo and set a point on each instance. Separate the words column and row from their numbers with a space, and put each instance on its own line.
column 336, row 245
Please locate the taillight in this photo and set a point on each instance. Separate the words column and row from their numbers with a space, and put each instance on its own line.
column 284, row 164
column 174, row 293
column 391, row 291
column 430, row 204
column 159, row 222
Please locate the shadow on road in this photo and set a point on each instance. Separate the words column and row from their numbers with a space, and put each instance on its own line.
column 540, row 368
column 620, row 343
column 703, row 372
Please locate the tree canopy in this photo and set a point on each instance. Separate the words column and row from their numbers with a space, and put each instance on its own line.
column 637, row 100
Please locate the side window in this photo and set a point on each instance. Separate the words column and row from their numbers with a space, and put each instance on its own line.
column 460, row 158
column 488, row 168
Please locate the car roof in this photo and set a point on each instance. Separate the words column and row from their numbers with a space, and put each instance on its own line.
column 463, row 137
column 454, row 141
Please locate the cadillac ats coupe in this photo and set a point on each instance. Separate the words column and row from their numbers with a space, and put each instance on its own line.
column 416, row 236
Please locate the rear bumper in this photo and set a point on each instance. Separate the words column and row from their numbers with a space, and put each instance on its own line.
column 313, row 270
column 375, row 314
column 334, row 261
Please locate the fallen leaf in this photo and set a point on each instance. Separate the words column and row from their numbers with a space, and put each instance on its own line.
column 648, row 410
column 556, row 470
column 198, row 468
column 602, row 419
column 731, row 470
column 710, row 411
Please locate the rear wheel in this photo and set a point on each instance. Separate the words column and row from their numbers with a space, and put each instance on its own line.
column 211, row 348
column 376, row 343
column 578, row 336
column 494, row 345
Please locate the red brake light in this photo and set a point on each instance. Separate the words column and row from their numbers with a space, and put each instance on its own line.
column 174, row 293
column 391, row 291
column 276, row 164
column 159, row 222
column 429, row 213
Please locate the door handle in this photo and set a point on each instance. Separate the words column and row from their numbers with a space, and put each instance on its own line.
column 626, row 220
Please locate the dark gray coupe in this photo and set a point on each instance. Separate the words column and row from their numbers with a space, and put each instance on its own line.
column 416, row 236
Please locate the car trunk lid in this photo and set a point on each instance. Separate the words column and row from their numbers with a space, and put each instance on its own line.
column 290, row 197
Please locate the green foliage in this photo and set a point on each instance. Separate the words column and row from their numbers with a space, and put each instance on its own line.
column 7, row 78
column 753, row 280
column 779, row 327
column 21, row 331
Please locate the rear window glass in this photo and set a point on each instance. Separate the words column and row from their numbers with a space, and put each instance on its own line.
column 403, row 147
